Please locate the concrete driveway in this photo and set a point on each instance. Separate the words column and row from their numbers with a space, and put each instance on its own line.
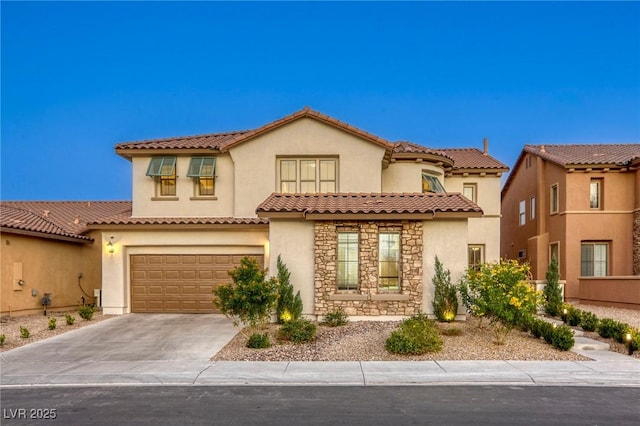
column 122, row 350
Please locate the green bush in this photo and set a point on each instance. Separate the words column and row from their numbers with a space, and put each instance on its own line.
column 70, row 319
column 547, row 330
column 588, row 321
column 562, row 338
column 3, row 339
column 24, row 332
column 250, row 298
column 574, row 317
column 336, row 318
column 453, row 331
column 609, row 328
column 258, row 341
column 535, row 327
column 52, row 324
column 298, row 331
column 635, row 340
column 414, row 336
column 445, row 299
column 86, row 312
column 552, row 293
column 289, row 307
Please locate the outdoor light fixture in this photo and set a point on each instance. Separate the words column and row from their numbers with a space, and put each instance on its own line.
column 629, row 343
column 110, row 247
column 564, row 315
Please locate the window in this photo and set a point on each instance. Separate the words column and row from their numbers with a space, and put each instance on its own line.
column 348, row 261
column 532, row 208
column 163, row 170
column 476, row 257
column 594, row 259
column 522, row 254
column 554, row 198
column 554, row 251
column 202, row 170
column 389, row 261
column 469, row 190
column 523, row 213
column 431, row 183
column 595, row 194
column 307, row 175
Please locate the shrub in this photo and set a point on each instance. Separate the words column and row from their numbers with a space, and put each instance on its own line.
column 414, row 336
column 574, row 317
column 562, row 338
column 336, row 318
column 547, row 330
column 635, row 340
column 258, row 341
column 499, row 292
column 3, row 339
column 552, row 293
column 535, row 327
column 70, row 319
column 250, row 298
column 445, row 299
column 609, row 328
column 453, row 331
column 298, row 331
column 289, row 307
column 588, row 321
column 86, row 312
column 24, row 332
column 52, row 324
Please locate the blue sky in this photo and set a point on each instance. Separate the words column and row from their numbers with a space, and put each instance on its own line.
column 77, row 78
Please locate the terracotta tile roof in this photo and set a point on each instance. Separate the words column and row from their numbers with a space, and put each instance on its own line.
column 404, row 147
column 17, row 219
column 125, row 219
column 71, row 216
column 383, row 203
column 472, row 158
column 207, row 141
column 587, row 154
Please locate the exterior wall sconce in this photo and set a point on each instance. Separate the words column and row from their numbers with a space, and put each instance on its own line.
column 110, row 246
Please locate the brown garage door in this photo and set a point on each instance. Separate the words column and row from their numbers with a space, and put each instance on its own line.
column 179, row 283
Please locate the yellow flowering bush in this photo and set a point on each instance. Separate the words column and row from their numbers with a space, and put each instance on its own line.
column 499, row 292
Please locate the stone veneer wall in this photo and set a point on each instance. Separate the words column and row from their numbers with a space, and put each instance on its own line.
column 368, row 300
column 636, row 242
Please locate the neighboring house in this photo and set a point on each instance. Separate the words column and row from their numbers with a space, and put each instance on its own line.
column 46, row 248
column 357, row 219
column 580, row 203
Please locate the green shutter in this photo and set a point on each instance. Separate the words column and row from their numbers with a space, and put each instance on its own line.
column 202, row 167
column 161, row 166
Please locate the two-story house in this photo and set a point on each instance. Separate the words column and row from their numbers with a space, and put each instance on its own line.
column 581, row 204
column 357, row 219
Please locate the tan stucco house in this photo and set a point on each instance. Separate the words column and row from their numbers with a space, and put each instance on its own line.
column 357, row 219
column 580, row 203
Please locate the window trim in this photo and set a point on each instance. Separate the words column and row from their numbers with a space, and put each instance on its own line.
column 607, row 263
column 599, row 185
column 474, row 191
column 433, row 181
column 398, row 263
column 554, row 198
column 470, row 247
column 532, row 208
column 196, row 166
column 522, row 212
column 297, row 180
column 350, row 285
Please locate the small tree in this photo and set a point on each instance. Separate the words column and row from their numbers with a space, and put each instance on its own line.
column 552, row 293
column 445, row 299
column 289, row 307
column 250, row 298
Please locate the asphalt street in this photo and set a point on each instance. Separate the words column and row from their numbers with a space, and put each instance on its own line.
column 321, row 405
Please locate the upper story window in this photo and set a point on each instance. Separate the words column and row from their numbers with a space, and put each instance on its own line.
column 307, row 175
column 553, row 202
column 202, row 170
column 532, row 208
column 470, row 190
column 163, row 170
column 430, row 183
column 522, row 212
column 595, row 194
column 389, row 261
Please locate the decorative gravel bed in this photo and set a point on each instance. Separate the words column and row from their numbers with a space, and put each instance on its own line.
column 38, row 326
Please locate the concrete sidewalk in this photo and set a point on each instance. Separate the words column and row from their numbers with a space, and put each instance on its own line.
column 127, row 351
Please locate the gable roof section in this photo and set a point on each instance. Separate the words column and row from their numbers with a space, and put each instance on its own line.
column 587, row 154
column 473, row 159
column 25, row 222
column 417, row 205
column 71, row 217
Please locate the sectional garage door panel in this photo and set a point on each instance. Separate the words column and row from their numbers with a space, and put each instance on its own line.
column 179, row 283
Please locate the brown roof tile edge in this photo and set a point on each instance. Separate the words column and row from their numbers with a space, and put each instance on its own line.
column 181, row 221
column 23, row 221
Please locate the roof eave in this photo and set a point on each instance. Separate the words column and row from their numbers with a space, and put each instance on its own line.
column 70, row 239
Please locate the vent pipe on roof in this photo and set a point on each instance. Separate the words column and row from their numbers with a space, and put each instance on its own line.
column 486, row 146
column 45, row 213
column 542, row 148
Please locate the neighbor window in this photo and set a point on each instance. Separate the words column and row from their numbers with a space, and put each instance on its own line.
column 554, row 251
column 476, row 257
column 469, row 190
column 348, row 261
column 389, row 261
column 554, row 198
column 307, row 175
column 595, row 194
column 532, row 208
column 522, row 254
column 163, row 170
column 594, row 259
column 523, row 213
column 202, row 170
column 431, row 183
